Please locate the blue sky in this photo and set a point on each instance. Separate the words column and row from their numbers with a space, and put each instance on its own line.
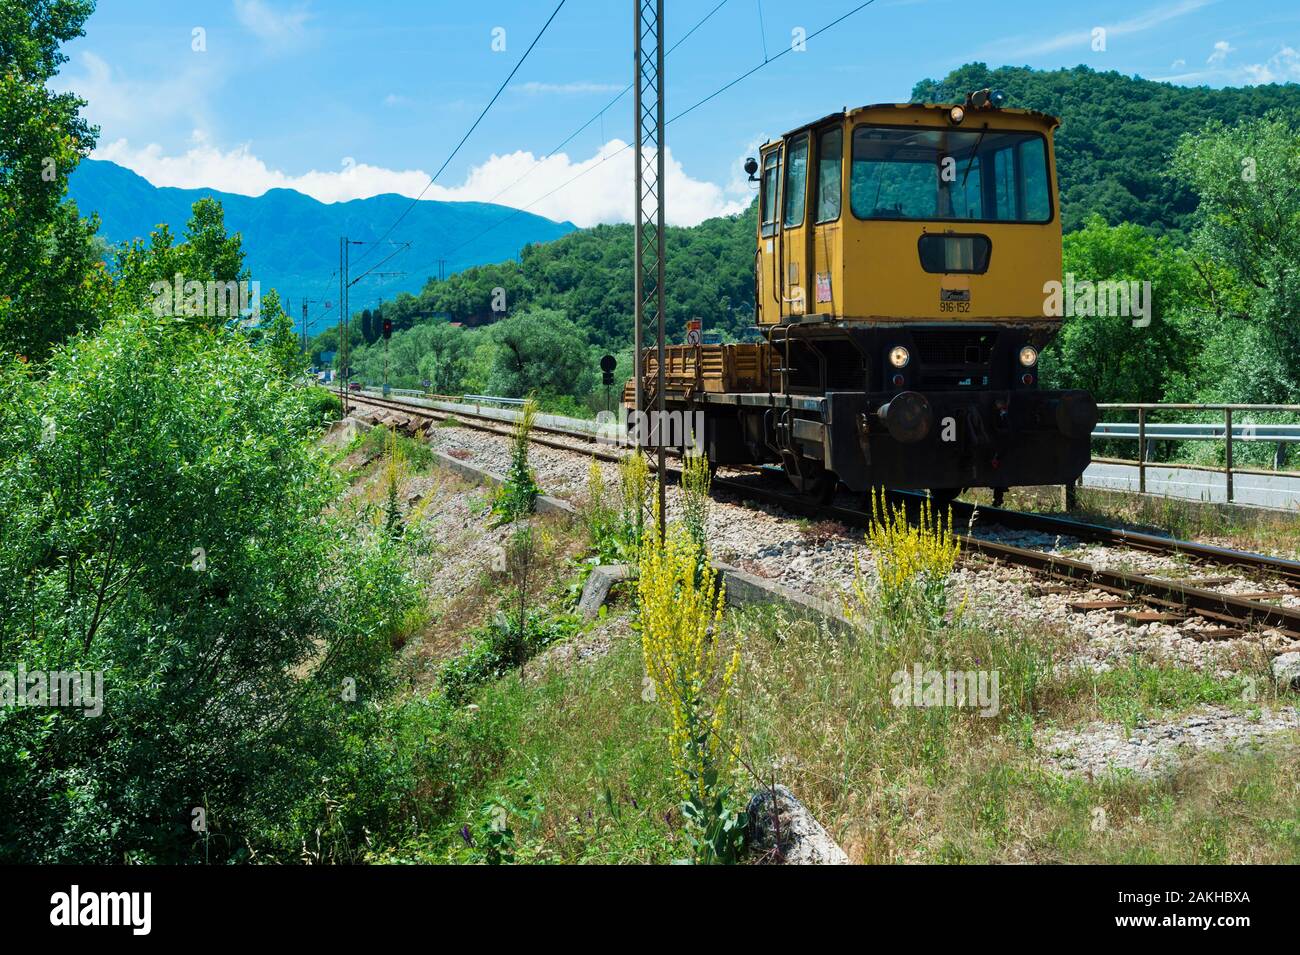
column 343, row 99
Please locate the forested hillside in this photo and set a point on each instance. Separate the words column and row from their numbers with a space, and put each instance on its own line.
column 1117, row 133
column 589, row 275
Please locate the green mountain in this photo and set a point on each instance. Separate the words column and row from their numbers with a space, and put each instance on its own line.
column 292, row 240
column 1117, row 133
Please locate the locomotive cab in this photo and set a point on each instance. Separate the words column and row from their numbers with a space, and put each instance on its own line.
column 903, row 253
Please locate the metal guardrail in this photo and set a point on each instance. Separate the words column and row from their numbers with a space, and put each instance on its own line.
column 1229, row 432
column 491, row 399
column 1277, row 433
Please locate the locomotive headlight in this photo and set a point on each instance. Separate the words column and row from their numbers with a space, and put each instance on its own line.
column 1028, row 356
column 899, row 356
column 956, row 115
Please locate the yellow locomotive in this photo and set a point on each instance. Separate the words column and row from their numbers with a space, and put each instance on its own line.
column 903, row 253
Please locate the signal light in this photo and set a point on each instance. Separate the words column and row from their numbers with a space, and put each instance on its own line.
column 388, row 329
column 1027, row 379
column 898, row 381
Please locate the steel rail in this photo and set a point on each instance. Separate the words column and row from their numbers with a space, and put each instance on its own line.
column 1288, row 570
column 1169, row 595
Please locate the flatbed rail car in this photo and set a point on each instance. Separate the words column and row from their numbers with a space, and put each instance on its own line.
column 901, row 285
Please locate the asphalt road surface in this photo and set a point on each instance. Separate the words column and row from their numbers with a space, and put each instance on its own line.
column 1263, row 490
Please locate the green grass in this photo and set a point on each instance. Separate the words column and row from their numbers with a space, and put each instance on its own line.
column 373, row 443
column 891, row 784
column 569, row 763
column 1141, row 692
column 586, row 747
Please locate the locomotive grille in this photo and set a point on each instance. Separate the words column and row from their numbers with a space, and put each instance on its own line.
column 844, row 367
column 954, row 348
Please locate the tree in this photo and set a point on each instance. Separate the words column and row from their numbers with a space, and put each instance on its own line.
column 1246, row 251
column 275, row 333
column 167, row 524
column 1114, row 357
column 542, row 353
column 206, row 267
column 52, row 279
column 446, row 358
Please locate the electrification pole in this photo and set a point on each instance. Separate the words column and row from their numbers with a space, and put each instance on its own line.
column 649, row 106
column 339, row 355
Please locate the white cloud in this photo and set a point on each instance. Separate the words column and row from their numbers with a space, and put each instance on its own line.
column 535, row 88
column 204, row 166
column 1221, row 51
column 1178, row 64
column 1022, row 46
column 1282, row 67
column 584, row 192
column 139, row 108
column 589, row 191
column 273, row 26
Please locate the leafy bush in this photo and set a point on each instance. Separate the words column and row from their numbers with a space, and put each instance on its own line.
column 500, row 646
column 166, row 525
column 598, row 517
column 634, row 487
column 323, row 405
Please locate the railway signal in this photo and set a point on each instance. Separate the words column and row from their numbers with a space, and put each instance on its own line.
column 607, row 366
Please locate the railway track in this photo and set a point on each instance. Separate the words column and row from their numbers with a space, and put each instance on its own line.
column 1165, row 600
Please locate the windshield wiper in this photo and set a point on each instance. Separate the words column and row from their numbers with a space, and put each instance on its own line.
column 970, row 162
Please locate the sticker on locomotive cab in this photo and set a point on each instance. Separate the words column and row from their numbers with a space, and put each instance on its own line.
column 823, row 287
column 954, row 299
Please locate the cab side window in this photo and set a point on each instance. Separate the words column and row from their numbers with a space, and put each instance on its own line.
column 771, row 180
column 796, row 181
column 830, row 164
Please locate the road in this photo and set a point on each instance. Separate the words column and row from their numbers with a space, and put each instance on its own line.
column 1262, row 490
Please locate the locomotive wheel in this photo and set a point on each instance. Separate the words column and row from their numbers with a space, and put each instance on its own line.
column 814, row 481
column 941, row 499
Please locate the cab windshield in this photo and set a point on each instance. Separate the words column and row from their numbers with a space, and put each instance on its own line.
column 970, row 175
